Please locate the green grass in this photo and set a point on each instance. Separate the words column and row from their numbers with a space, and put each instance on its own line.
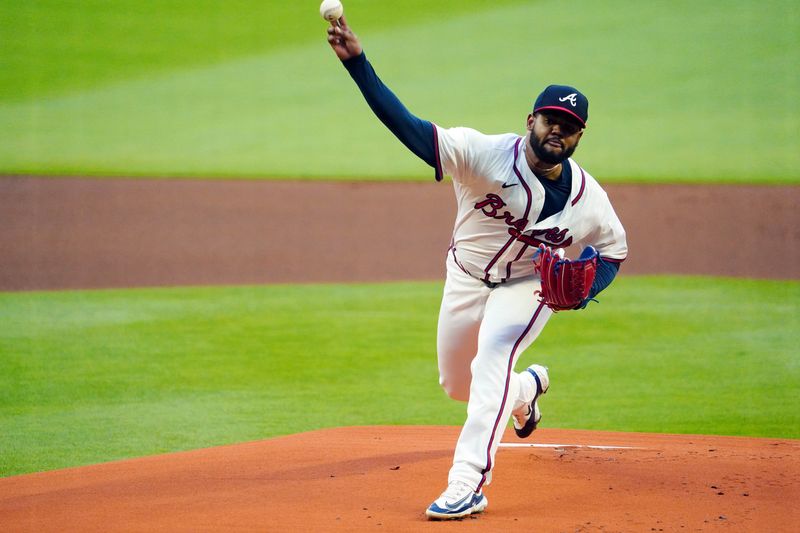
column 680, row 91
column 91, row 376
column 53, row 47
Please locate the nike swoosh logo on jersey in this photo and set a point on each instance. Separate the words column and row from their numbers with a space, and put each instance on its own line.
column 507, row 185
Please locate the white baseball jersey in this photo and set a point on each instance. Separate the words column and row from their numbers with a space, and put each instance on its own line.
column 490, row 313
column 499, row 199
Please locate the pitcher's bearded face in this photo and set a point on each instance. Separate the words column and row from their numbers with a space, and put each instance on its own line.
column 554, row 137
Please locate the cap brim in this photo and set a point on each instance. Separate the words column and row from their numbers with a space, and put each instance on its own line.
column 563, row 110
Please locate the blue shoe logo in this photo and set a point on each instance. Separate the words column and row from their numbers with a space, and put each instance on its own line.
column 459, row 503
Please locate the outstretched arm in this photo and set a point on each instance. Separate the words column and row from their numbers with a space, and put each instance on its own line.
column 415, row 133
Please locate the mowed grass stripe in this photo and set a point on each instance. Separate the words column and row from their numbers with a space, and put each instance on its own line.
column 53, row 47
column 680, row 92
column 91, row 376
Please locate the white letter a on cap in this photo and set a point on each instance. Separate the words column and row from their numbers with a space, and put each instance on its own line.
column 573, row 99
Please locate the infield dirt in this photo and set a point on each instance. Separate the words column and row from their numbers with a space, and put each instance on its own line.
column 383, row 478
column 74, row 233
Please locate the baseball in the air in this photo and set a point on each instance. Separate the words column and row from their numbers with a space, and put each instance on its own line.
column 331, row 10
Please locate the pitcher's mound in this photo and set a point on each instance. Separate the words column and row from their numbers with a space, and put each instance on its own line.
column 383, row 478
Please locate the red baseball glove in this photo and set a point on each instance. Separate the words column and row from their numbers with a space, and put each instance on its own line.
column 565, row 284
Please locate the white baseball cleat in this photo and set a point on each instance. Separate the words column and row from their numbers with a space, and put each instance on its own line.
column 526, row 423
column 457, row 501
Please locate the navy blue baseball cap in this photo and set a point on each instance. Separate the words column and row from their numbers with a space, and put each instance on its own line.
column 566, row 99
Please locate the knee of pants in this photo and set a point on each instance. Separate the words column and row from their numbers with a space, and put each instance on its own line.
column 455, row 389
column 495, row 346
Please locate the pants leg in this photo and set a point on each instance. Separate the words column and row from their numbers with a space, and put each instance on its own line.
column 460, row 317
column 512, row 319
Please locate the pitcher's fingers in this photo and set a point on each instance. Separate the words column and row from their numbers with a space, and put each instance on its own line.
column 334, row 39
column 336, row 35
column 339, row 23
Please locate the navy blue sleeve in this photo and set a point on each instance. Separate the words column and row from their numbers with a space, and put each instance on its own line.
column 418, row 135
column 606, row 272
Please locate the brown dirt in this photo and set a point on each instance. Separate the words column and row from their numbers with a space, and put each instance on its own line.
column 85, row 233
column 383, row 478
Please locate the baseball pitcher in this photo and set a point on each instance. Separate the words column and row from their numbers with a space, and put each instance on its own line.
column 521, row 199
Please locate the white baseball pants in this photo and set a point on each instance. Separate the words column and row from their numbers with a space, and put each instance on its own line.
column 481, row 334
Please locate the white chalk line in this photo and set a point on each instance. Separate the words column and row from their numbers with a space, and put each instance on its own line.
column 589, row 446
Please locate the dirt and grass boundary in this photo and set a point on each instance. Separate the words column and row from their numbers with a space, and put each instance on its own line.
column 76, row 233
